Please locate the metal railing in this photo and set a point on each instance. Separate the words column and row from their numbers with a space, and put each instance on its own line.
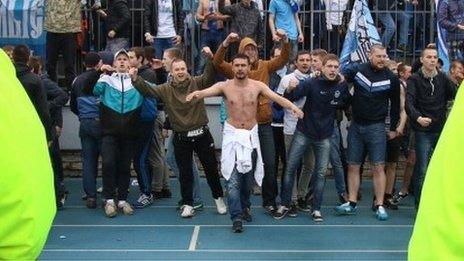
column 420, row 32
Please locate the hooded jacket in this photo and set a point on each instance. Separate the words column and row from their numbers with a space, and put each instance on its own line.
column 183, row 116
column 450, row 14
column 118, row 18
column 120, row 104
column 260, row 71
column 428, row 97
column 37, row 94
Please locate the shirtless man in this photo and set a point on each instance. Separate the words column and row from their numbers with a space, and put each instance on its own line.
column 241, row 154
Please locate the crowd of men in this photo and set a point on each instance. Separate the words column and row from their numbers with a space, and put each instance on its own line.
column 288, row 108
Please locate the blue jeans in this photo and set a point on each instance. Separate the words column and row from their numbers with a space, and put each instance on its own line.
column 336, row 162
column 212, row 39
column 266, row 142
column 116, row 44
column 389, row 28
column 142, row 165
column 161, row 44
column 171, row 160
column 404, row 18
column 238, row 187
column 372, row 137
column 425, row 144
column 321, row 150
column 90, row 134
column 293, row 50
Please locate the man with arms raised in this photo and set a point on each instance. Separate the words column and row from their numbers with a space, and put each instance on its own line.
column 241, row 154
column 260, row 71
column 191, row 133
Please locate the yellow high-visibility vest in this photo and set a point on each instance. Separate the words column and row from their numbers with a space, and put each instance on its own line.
column 439, row 229
column 27, row 199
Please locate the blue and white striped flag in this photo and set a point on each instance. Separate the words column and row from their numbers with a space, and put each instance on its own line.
column 361, row 35
column 442, row 45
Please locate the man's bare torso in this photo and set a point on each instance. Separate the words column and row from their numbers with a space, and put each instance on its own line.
column 242, row 103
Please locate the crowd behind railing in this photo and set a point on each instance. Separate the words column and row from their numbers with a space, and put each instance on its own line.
column 406, row 26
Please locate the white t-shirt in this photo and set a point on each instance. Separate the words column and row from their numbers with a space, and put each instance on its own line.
column 290, row 121
column 334, row 12
column 166, row 27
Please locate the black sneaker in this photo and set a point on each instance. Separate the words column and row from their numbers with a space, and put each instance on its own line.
column 247, row 215
column 303, row 205
column 281, row 212
column 237, row 226
column 91, row 203
column 399, row 197
column 59, row 206
column 293, row 211
column 60, row 202
column 166, row 193
column 388, row 203
column 270, row 209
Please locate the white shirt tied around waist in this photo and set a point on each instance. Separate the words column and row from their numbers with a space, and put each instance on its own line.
column 237, row 149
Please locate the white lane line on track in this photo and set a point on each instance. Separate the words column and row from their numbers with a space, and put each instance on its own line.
column 271, row 226
column 194, row 239
column 238, row 250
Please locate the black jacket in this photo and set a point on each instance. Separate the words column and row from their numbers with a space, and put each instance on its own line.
column 56, row 98
column 373, row 89
column 151, row 17
column 118, row 18
column 37, row 94
column 427, row 97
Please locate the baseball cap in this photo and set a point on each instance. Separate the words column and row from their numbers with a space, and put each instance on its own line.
column 122, row 51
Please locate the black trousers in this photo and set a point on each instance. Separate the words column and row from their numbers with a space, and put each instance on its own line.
column 66, row 44
column 269, row 189
column 203, row 146
column 57, row 165
column 280, row 153
column 117, row 153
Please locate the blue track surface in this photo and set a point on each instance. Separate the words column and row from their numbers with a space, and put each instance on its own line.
column 158, row 232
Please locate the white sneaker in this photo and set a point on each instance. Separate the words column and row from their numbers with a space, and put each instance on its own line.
column 110, row 208
column 187, row 211
column 220, row 206
column 317, row 216
column 125, row 207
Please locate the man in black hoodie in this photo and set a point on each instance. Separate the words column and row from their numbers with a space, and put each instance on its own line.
column 428, row 92
column 33, row 86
